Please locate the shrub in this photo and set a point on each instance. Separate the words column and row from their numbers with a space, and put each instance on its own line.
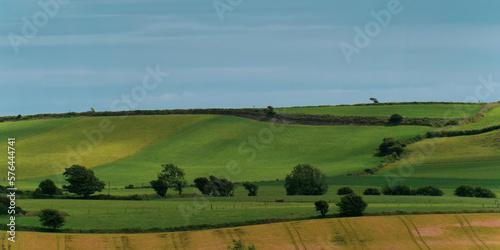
column 428, row 191
column 51, row 218
column 371, row 191
column 305, row 180
column 160, row 187
column 49, row 187
column 322, row 206
column 5, row 207
column 396, row 118
column 351, row 205
column 201, row 184
column 464, row 191
column 398, row 189
column 482, row 192
column 251, row 188
column 344, row 191
column 389, row 146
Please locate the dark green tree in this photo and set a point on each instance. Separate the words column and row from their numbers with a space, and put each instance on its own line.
column 371, row 191
column 351, row 205
column 251, row 188
column 482, row 192
column 170, row 177
column 322, row 206
column 464, row 191
column 389, row 146
column 305, row 180
column 52, row 218
column 48, row 187
column 398, row 189
column 428, row 191
column 201, row 183
column 82, row 181
column 220, row 187
column 5, row 207
column 344, row 191
column 160, row 187
column 374, row 100
column 396, row 118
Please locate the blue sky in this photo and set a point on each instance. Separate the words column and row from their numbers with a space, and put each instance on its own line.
column 282, row 53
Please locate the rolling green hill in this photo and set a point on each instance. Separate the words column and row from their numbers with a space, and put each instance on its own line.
column 204, row 145
column 25, row 129
column 406, row 110
column 91, row 141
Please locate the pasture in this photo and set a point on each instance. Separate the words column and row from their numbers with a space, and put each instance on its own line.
column 406, row 110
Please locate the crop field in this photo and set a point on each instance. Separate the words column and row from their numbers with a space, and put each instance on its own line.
column 450, row 231
column 406, row 110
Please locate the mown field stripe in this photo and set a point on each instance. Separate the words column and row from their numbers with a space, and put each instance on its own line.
column 354, row 241
column 410, row 226
column 468, row 232
column 473, row 232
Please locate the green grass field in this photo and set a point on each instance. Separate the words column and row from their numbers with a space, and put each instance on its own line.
column 89, row 141
column 209, row 147
column 91, row 214
column 25, row 129
column 492, row 118
column 406, row 110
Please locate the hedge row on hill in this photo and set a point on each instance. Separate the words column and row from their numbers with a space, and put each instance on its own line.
column 363, row 120
column 451, row 133
column 214, row 111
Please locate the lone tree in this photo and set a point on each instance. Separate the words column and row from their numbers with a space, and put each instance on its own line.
column 171, row 176
column 251, row 187
column 82, row 181
column 322, row 207
column 351, row 205
column 374, row 100
column 51, row 218
column 49, row 187
column 270, row 111
column 305, row 180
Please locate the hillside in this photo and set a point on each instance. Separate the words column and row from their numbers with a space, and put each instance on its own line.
column 449, row 231
column 204, row 145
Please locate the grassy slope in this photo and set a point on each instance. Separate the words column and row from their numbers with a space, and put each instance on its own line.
column 207, row 148
column 25, row 129
column 470, row 157
column 406, row 110
column 391, row 232
column 49, row 153
column 491, row 118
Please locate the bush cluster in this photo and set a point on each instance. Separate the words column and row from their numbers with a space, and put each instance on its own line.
column 470, row 191
column 401, row 189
